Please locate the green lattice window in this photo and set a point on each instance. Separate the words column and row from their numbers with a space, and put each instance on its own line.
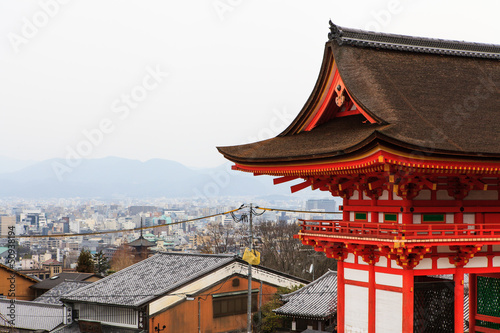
column 390, row 217
column 360, row 217
column 432, row 218
column 488, row 299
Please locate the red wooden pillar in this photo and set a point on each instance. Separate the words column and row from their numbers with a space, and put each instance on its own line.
column 407, row 213
column 340, row 296
column 345, row 214
column 459, row 300
column 374, row 214
column 408, row 292
column 371, row 299
column 472, row 302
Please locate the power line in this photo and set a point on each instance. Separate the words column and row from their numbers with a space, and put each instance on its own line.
column 163, row 225
column 122, row 230
column 295, row 211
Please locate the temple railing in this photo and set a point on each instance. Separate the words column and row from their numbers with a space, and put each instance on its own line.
column 399, row 231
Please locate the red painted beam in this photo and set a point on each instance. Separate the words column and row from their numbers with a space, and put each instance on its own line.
column 480, row 329
column 284, row 179
column 301, row 186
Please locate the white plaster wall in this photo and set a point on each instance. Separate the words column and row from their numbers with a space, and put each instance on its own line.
column 393, row 280
column 449, row 218
column 355, row 275
column 482, row 195
column 382, row 262
column 381, row 217
column 495, row 248
column 396, row 197
column 417, row 218
column 368, row 216
column 351, row 216
column 356, row 309
column 477, row 262
column 423, row 195
column 469, row 218
column 496, row 261
column 365, row 197
column 389, row 313
column 444, row 263
column 443, row 195
column 355, row 195
column 425, row 263
column 385, row 195
column 350, row 258
column 400, row 218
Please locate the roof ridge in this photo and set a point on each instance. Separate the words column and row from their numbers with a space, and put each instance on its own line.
column 311, row 284
column 363, row 38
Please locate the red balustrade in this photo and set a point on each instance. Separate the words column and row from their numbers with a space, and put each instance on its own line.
column 400, row 231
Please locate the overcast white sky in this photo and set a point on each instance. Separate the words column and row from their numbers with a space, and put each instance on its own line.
column 238, row 70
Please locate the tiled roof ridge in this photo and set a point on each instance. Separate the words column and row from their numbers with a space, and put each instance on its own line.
column 308, row 286
column 372, row 39
column 222, row 255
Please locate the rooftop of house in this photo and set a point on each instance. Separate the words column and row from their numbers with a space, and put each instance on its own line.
column 34, row 315
column 51, row 262
column 148, row 279
column 60, row 278
column 7, row 268
column 53, row 295
column 317, row 300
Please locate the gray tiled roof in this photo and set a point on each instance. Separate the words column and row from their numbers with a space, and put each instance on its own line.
column 53, row 295
column 34, row 315
column 141, row 282
column 407, row 43
column 317, row 300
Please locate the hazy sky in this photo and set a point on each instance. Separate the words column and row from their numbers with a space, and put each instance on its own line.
column 174, row 79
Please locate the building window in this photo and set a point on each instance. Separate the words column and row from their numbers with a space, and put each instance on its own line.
column 432, row 218
column 360, row 217
column 232, row 305
column 390, row 217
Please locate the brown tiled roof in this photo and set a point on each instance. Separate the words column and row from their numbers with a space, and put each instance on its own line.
column 436, row 96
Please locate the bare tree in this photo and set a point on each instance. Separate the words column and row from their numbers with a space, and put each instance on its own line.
column 216, row 238
column 282, row 252
column 122, row 258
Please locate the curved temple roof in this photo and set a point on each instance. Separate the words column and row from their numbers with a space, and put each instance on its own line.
column 431, row 96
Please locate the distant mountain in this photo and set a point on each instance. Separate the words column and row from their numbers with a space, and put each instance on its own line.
column 11, row 165
column 114, row 177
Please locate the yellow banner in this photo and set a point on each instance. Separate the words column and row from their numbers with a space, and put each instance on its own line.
column 251, row 257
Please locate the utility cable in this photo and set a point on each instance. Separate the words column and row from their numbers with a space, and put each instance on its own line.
column 295, row 211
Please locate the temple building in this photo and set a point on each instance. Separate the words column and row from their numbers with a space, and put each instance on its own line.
column 406, row 131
